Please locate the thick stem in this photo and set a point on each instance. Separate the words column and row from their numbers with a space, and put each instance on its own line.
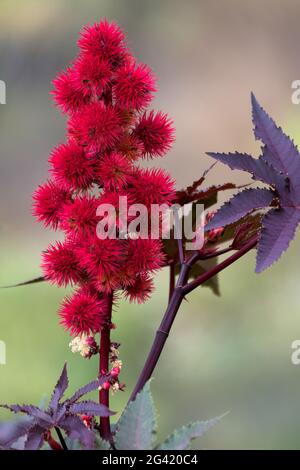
column 180, row 291
column 162, row 332
column 105, row 430
column 209, row 274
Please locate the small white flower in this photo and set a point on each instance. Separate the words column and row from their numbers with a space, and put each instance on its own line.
column 117, row 363
column 115, row 387
column 75, row 344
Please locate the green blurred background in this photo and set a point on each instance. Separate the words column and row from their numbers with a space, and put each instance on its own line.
column 228, row 353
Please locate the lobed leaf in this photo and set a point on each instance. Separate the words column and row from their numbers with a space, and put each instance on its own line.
column 259, row 169
column 10, row 432
column 35, row 438
column 181, row 438
column 137, row 425
column 279, row 151
column 90, row 407
column 101, row 444
column 59, row 389
column 75, row 429
column 240, row 205
column 72, row 444
column 32, row 411
column 278, row 229
column 90, row 387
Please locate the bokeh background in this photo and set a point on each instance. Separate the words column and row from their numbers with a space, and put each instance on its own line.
column 230, row 353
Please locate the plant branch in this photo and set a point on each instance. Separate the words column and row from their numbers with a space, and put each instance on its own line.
column 105, row 430
column 180, row 291
column 207, row 255
column 215, row 270
column 162, row 332
column 214, row 254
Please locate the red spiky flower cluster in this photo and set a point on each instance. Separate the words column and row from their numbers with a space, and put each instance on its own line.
column 105, row 93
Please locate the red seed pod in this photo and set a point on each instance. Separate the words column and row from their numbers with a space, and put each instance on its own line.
column 106, row 386
column 115, row 372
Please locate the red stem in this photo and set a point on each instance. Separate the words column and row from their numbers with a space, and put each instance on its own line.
column 180, row 291
column 105, row 430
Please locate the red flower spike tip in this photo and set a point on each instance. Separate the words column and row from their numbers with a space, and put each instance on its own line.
column 105, row 93
column 105, row 40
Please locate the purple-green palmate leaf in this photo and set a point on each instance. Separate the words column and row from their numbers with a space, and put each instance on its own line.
column 137, row 426
column 90, row 387
column 257, row 167
column 59, row 389
column 279, row 167
column 75, row 429
column 60, row 414
column 89, row 407
column 11, row 431
column 31, row 410
column 278, row 229
column 240, row 205
column 35, row 437
column 279, row 151
column 181, row 438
